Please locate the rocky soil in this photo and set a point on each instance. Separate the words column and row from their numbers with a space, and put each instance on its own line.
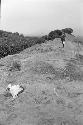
column 52, row 77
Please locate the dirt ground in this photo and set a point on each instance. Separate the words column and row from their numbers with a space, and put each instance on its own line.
column 52, row 78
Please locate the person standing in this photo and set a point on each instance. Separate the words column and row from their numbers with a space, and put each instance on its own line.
column 63, row 38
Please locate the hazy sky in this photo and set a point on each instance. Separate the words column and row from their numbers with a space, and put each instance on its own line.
column 36, row 17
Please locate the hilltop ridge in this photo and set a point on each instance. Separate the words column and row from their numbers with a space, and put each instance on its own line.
column 12, row 43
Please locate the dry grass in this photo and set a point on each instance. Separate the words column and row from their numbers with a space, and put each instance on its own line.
column 53, row 86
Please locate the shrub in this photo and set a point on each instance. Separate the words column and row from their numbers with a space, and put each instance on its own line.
column 54, row 34
column 45, row 37
column 1, row 32
column 67, row 30
column 12, row 43
column 15, row 66
column 58, row 32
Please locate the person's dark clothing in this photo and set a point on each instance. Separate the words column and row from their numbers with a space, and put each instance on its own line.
column 63, row 39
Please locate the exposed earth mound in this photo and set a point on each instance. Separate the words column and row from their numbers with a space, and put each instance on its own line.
column 52, row 78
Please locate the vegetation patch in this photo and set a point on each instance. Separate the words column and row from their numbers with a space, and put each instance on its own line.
column 15, row 66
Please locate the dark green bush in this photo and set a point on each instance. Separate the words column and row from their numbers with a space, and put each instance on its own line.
column 67, row 30
column 12, row 43
column 54, row 34
column 45, row 37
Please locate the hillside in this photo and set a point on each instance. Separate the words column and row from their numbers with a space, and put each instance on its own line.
column 52, row 77
column 13, row 43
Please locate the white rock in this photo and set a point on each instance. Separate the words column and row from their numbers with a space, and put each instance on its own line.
column 14, row 90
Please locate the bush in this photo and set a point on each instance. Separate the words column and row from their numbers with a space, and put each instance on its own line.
column 58, row 32
column 1, row 32
column 12, row 43
column 54, row 34
column 51, row 35
column 67, row 30
column 45, row 37
column 15, row 66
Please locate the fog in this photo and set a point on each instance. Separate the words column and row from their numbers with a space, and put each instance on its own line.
column 39, row 17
